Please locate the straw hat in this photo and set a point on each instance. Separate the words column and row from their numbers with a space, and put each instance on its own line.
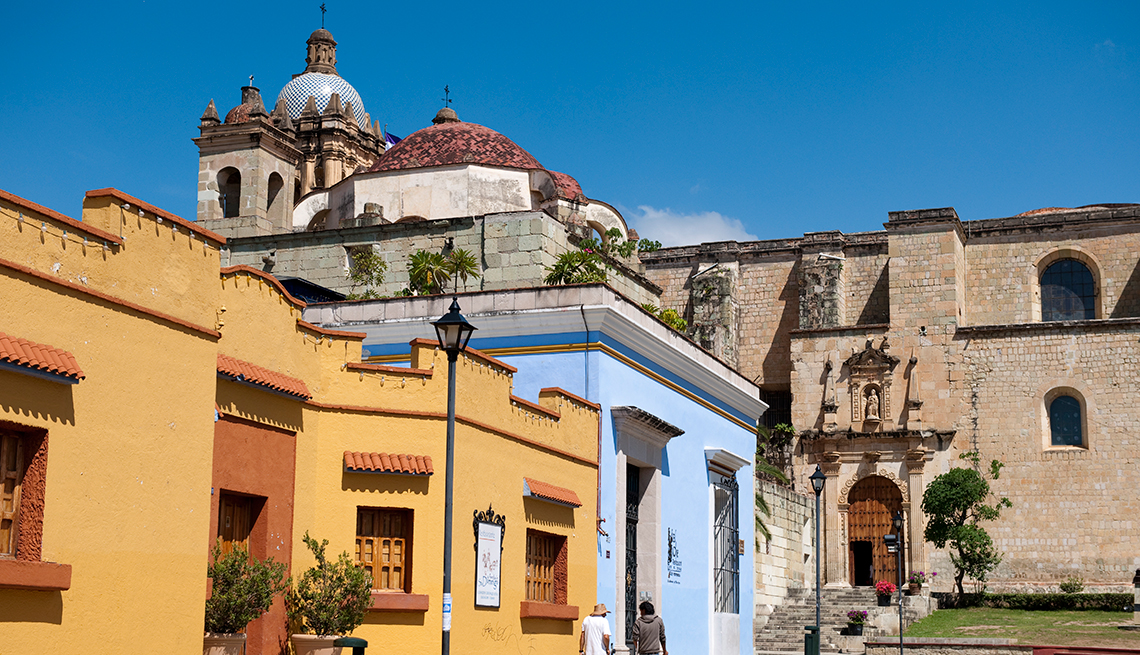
column 600, row 610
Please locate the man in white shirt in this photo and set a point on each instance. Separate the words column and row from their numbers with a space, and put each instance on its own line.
column 595, row 638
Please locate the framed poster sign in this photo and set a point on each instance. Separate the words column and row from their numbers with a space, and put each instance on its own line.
column 489, row 529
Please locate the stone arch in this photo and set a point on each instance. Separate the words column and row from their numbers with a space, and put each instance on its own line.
column 229, row 192
column 845, row 490
column 275, row 199
column 1076, row 253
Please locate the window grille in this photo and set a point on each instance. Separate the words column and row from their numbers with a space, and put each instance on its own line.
column 1068, row 292
column 726, row 536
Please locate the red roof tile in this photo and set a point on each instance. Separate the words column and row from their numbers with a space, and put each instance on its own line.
column 39, row 357
column 387, row 463
column 262, row 377
column 550, row 492
column 568, row 187
column 455, row 143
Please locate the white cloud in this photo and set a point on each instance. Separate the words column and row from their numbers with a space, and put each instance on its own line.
column 675, row 229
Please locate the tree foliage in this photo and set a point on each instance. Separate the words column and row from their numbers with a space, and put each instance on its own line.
column 430, row 272
column 332, row 597
column 590, row 262
column 764, row 439
column 366, row 271
column 956, row 504
column 244, row 588
column 668, row 316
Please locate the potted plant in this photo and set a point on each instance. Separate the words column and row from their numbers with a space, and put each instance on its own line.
column 855, row 621
column 330, row 601
column 243, row 589
column 883, row 591
column 916, row 580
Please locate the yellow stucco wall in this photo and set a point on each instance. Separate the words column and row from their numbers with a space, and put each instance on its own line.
column 130, row 447
column 128, row 474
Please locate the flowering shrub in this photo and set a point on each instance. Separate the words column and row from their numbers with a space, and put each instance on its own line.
column 857, row 617
column 884, row 588
column 919, row 577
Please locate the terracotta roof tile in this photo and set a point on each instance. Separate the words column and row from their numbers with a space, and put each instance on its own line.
column 532, row 487
column 262, row 377
column 387, row 463
column 568, row 187
column 39, row 357
column 455, row 143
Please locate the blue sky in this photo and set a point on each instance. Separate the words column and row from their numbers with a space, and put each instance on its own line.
column 699, row 122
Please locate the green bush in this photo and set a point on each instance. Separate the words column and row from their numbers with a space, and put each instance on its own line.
column 1074, row 585
column 1042, row 602
column 243, row 590
column 332, row 597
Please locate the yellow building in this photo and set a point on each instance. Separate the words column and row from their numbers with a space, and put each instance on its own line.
column 183, row 402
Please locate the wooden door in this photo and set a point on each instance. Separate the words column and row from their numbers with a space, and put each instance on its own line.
column 871, row 504
column 235, row 520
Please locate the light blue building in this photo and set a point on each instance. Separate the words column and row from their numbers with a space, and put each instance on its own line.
column 678, row 441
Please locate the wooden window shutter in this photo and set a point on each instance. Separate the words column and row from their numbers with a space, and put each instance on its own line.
column 11, row 475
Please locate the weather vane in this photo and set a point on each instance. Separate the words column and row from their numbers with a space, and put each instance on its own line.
column 446, row 96
column 323, row 15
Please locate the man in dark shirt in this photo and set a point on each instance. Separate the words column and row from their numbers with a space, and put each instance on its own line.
column 649, row 632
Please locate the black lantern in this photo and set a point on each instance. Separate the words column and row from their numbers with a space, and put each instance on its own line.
column 817, row 480
column 897, row 521
column 453, row 330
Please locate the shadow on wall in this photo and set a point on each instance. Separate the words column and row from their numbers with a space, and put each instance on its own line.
column 547, row 627
column 546, row 514
column 1128, row 304
column 878, row 307
column 36, row 398
column 775, row 366
column 31, row 607
column 394, row 618
column 393, row 484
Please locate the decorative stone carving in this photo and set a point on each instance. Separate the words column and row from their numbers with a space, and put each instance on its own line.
column 830, row 403
column 883, row 473
column 870, row 382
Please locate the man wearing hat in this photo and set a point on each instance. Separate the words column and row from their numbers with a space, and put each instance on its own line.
column 595, row 638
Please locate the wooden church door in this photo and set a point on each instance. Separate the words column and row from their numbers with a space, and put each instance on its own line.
column 871, row 504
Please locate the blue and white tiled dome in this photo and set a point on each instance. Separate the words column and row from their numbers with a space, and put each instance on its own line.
column 321, row 86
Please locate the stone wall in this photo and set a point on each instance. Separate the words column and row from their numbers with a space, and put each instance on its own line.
column 513, row 250
column 784, row 562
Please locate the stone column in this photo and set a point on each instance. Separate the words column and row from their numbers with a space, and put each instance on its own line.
column 835, row 560
column 916, row 550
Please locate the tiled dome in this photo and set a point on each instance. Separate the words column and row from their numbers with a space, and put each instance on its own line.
column 449, row 143
column 321, row 86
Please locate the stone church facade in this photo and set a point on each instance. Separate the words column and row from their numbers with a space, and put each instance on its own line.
column 894, row 352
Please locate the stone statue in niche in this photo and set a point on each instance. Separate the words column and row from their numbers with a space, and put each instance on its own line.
column 872, row 405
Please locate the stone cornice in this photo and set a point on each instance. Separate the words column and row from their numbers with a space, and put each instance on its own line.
column 1066, row 327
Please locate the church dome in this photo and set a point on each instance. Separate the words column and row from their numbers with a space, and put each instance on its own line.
column 321, row 86
column 453, row 142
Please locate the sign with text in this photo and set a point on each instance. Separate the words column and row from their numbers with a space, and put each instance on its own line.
column 489, row 552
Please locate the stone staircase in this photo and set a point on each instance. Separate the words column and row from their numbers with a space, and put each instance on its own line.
column 784, row 632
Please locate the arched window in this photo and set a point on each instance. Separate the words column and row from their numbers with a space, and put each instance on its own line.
column 1068, row 292
column 1065, row 424
column 229, row 192
column 276, row 205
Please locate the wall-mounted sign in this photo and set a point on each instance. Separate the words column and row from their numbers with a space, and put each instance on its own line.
column 674, row 563
column 489, row 531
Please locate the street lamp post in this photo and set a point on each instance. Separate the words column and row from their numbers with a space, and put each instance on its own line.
column 817, row 481
column 895, row 545
column 453, row 332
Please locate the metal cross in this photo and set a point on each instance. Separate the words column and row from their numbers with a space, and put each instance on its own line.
column 323, row 15
column 446, row 96
column 251, row 80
